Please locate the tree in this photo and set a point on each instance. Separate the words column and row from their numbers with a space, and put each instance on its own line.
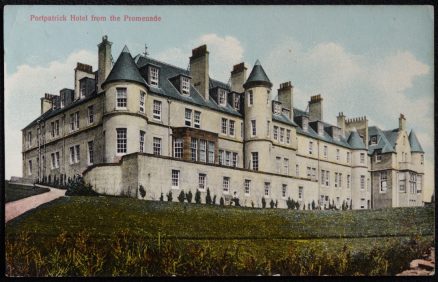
column 288, row 203
column 272, row 204
column 236, row 202
column 313, row 204
column 214, row 200
column 198, row 197
column 169, row 196
column 263, row 202
column 297, row 205
column 222, row 202
column 142, row 191
column 252, row 204
column 304, row 206
column 208, row 197
column 308, row 206
column 276, row 203
column 189, row 197
column 181, row 196
column 333, row 205
column 351, row 204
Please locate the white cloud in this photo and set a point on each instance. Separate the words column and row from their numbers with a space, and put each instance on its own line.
column 224, row 51
column 23, row 90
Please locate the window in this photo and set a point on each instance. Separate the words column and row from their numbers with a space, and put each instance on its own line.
column 226, row 184
column 275, row 132
column 314, row 174
column 188, row 117
column 320, row 129
column 300, row 193
column 178, row 148
column 325, row 152
column 185, row 85
column 378, row 156
column 284, row 190
column 52, row 124
column 202, row 181
column 373, row 140
column 232, row 127
column 309, row 172
column 362, row 203
column 224, row 126
column 422, row 159
column 156, row 110
column 348, row 157
column 348, row 181
column 253, row 128
column 221, row 157
column 142, row 133
column 267, row 188
column 278, row 164
column 222, row 97
column 237, row 102
column 383, row 181
column 153, row 76
column 121, row 141
column 57, row 127
column 250, row 98
column 288, row 136
column 210, row 152
column 310, row 147
column 156, row 144
column 362, row 182
column 77, row 120
column 56, row 160
column 197, row 119
column 286, row 166
column 338, row 153
column 413, row 183
column 327, row 178
column 255, row 160
column 77, row 153
column 419, row 184
column 340, row 180
column 362, row 158
column 74, row 121
column 297, row 170
column 282, row 135
column 91, row 114
column 305, row 124
column 277, row 109
column 142, row 96
column 121, row 98
column 53, row 160
column 202, row 150
column 175, row 179
column 194, row 149
column 227, row 158
column 30, row 167
column 74, row 154
column 247, row 186
column 235, row 158
column 90, row 152
column 82, row 90
column 336, row 179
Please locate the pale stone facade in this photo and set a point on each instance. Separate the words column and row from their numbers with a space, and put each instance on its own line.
column 141, row 122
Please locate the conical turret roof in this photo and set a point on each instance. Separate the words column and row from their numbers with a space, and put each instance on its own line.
column 355, row 141
column 415, row 144
column 124, row 69
column 257, row 77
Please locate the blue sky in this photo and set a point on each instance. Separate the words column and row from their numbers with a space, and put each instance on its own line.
column 364, row 60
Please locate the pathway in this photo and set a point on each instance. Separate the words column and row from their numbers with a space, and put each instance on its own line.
column 16, row 208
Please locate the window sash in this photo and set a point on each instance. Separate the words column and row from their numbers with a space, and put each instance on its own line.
column 185, row 85
column 226, row 184
column 178, row 148
column 247, row 186
column 121, row 140
column 231, row 128
column 153, row 73
column 156, row 146
column 142, row 134
column 202, row 150
column 188, row 117
column 121, row 98
column 197, row 119
column 255, row 160
column 202, row 181
column 224, row 126
column 141, row 103
column 175, row 178
column 210, row 152
column 253, row 128
column 156, row 111
column 90, row 114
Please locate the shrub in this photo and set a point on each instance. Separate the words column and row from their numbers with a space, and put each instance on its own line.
column 77, row 187
column 272, row 204
column 222, row 202
column 169, row 196
column 198, row 197
column 214, row 200
column 208, row 197
column 276, row 203
column 263, row 202
column 313, row 205
column 189, row 196
column 252, row 204
column 181, row 196
column 161, row 197
column 142, row 191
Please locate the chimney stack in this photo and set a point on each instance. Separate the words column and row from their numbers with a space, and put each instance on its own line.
column 46, row 102
column 315, row 108
column 199, row 70
column 402, row 122
column 81, row 71
column 285, row 97
column 105, row 61
column 238, row 77
column 341, row 122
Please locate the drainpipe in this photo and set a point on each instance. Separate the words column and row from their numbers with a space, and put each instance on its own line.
column 318, row 173
column 169, row 143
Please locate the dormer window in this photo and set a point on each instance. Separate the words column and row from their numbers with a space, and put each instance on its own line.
column 222, row 97
column 153, row 76
column 320, row 128
column 305, row 124
column 185, row 85
column 236, row 102
column 373, row 140
column 277, row 108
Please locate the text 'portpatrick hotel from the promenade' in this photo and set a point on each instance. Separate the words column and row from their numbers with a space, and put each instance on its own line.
column 143, row 122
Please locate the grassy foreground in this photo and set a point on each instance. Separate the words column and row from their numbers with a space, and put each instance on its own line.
column 105, row 236
column 14, row 192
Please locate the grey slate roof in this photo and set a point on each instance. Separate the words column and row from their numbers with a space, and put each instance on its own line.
column 382, row 141
column 415, row 144
column 325, row 137
column 298, row 112
column 355, row 141
column 283, row 119
column 125, row 69
column 257, row 76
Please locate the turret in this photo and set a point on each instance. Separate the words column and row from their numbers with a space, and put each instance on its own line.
column 258, row 116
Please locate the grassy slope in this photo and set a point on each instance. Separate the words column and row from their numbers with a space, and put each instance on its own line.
column 104, row 215
column 15, row 192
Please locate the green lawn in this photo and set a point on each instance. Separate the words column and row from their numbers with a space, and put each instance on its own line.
column 249, row 241
column 15, row 192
